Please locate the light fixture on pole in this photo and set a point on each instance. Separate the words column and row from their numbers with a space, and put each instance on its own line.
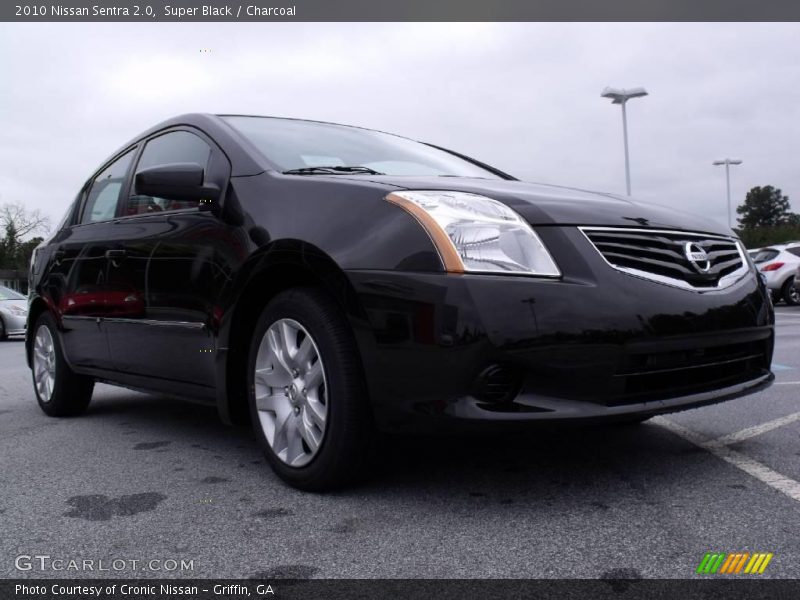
column 621, row 97
column 728, row 162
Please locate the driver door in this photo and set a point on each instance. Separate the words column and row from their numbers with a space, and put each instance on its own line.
column 167, row 255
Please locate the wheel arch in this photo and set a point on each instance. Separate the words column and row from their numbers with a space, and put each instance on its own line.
column 37, row 307
column 281, row 265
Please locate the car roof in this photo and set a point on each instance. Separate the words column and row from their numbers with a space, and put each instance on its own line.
column 785, row 255
column 776, row 247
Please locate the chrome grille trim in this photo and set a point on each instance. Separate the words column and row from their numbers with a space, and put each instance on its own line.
column 656, row 251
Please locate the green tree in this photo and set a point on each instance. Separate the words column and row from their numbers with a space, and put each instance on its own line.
column 25, row 251
column 18, row 223
column 9, row 245
column 765, row 207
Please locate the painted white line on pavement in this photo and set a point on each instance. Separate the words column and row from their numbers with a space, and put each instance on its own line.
column 786, row 383
column 763, row 473
column 733, row 438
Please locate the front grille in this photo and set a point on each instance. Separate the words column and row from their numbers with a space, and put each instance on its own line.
column 671, row 257
column 642, row 377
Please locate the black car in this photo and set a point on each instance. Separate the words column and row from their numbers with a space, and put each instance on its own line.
column 327, row 281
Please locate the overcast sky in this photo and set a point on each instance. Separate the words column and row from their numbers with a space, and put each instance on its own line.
column 523, row 97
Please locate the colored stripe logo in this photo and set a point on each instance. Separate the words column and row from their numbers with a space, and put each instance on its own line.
column 734, row 564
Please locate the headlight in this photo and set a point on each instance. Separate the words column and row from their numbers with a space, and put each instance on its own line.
column 16, row 310
column 477, row 234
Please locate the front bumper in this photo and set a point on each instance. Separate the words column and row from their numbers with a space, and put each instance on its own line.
column 597, row 344
column 14, row 324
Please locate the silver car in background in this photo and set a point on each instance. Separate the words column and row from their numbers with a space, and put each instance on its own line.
column 13, row 312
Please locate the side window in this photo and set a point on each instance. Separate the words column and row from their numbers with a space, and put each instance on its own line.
column 175, row 147
column 66, row 220
column 794, row 250
column 101, row 201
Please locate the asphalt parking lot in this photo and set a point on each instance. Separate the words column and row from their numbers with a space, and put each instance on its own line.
column 143, row 478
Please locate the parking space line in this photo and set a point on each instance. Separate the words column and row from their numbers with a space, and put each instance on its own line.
column 733, row 438
column 786, row 383
column 763, row 473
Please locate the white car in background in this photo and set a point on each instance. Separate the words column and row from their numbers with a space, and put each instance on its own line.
column 780, row 264
column 13, row 312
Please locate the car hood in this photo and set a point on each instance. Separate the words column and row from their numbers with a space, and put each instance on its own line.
column 543, row 204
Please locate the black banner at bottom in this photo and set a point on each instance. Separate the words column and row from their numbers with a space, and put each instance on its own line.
column 411, row 589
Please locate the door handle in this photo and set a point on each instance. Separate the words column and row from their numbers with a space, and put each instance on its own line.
column 115, row 256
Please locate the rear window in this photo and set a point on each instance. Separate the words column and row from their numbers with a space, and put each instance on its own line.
column 763, row 255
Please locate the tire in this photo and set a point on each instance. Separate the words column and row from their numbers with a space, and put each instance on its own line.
column 314, row 425
column 64, row 393
column 790, row 294
column 3, row 334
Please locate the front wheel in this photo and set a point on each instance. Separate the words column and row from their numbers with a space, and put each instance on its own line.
column 791, row 295
column 59, row 391
column 306, row 392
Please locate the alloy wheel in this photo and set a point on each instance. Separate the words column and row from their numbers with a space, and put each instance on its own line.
column 44, row 363
column 291, row 392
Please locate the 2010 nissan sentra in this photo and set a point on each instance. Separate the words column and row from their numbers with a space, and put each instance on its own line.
column 327, row 282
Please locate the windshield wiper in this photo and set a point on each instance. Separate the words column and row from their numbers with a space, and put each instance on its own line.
column 331, row 170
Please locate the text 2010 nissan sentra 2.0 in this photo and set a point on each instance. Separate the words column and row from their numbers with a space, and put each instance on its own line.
column 328, row 281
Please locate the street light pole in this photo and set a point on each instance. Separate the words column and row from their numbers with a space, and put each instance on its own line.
column 621, row 97
column 728, row 162
column 625, row 143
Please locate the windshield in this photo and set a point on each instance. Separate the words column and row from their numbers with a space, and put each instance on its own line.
column 9, row 294
column 293, row 144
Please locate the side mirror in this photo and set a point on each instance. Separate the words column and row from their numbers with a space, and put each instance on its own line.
column 177, row 181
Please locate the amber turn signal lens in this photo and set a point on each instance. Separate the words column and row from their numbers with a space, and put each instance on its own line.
column 447, row 251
